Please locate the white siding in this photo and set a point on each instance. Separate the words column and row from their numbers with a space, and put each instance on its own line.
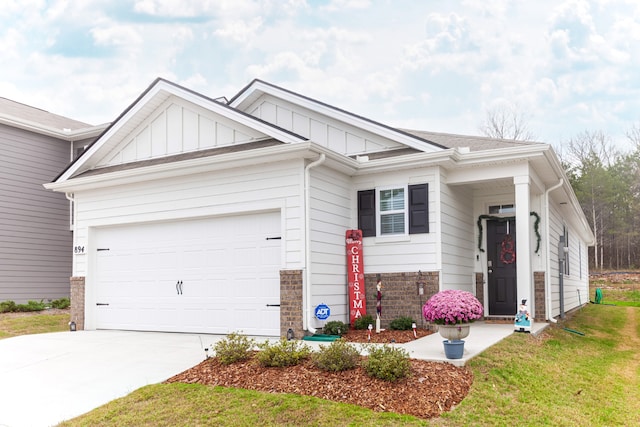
column 331, row 217
column 576, row 283
column 336, row 135
column 252, row 189
column 457, row 236
column 176, row 127
column 408, row 253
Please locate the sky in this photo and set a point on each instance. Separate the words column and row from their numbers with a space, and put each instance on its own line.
column 565, row 66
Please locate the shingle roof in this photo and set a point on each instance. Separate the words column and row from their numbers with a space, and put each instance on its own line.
column 475, row 143
column 38, row 116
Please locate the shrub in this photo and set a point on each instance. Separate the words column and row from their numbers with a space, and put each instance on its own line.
column 7, row 306
column 233, row 348
column 61, row 303
column 387, row 363
column 284, row 353
column 402, row 324
column 335, row 327
column 31, row 306
column 339, row 356
column 363, row 322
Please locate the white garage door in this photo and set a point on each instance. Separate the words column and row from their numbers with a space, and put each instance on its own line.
column 215, row 275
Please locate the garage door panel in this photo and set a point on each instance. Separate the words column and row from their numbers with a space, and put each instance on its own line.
column 228, row 271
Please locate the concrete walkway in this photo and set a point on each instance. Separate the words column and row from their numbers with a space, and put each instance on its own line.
column 49, row 378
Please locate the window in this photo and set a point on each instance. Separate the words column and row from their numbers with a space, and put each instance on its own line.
column 501, row 209
column 567, row 270
column 392, row 211
column 400, row 210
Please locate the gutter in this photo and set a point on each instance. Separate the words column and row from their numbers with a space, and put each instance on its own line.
column 306, row 289
column 547, row 231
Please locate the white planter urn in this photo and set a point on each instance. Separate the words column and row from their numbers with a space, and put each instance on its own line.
column 454, row 332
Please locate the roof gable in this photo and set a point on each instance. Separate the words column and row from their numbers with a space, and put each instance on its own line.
column 334, row 128
column 176, row 127
column 168, row 119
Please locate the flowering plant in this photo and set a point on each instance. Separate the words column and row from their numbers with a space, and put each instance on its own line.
column 452, row 307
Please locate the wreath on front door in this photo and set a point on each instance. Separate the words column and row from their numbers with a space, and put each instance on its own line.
column 508, row 251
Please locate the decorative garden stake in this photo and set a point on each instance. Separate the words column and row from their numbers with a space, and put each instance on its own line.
column 523, row 319
column 413, row 326
column 378, row 306
column 370, row 327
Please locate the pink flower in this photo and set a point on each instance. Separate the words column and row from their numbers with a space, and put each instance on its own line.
column 451, row 307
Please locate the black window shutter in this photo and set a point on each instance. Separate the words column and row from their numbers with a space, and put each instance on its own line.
column 367, row 212
column 418, row 209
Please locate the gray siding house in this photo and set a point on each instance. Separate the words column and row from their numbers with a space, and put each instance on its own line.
column 35, row 224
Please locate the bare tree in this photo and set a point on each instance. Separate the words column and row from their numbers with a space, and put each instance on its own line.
column 506, row 122
column 633, row 135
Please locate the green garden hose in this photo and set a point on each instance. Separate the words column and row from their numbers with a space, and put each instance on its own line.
column 598, row 296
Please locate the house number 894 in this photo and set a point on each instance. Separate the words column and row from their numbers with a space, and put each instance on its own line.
column 78, row 249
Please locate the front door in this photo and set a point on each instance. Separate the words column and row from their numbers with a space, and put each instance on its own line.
column 501, row 260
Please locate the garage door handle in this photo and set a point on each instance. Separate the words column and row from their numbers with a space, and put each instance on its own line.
column 273, row 305
column 102, row 303
column 179, row 287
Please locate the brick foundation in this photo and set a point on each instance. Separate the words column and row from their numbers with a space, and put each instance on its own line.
column 480, row 287
column 291, row 302
column 539, row 296
column 400, row 295
column 77, row 302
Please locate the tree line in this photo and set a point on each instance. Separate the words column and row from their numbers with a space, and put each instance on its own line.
column 606, row 181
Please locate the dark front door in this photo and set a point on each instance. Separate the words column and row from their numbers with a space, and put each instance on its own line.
column 501, row 259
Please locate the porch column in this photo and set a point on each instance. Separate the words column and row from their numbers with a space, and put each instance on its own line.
column 523, row 240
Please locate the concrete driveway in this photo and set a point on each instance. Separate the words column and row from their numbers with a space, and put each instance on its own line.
column 49, row 378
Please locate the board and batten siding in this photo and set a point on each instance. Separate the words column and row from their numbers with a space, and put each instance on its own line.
column 458, row 237
column 270, row 187
column 177, row 127
column 336, row 135
column 35, row 240
column 331, row 217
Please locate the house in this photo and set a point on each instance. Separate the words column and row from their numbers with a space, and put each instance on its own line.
column 35, row 233
column 195, row 214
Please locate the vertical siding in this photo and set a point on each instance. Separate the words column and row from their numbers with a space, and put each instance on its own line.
column 35, row 240
column 337, row 135
column 457, row 235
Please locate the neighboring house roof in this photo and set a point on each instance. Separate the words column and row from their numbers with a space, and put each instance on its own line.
column 23, row 116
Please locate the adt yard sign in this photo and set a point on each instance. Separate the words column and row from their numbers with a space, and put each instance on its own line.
column 323, row 312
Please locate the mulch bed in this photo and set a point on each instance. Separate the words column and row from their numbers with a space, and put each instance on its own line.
column 431, row 389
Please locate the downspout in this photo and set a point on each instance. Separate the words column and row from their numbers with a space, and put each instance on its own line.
column 306, row 319
column 547, row 280
column 72, row 206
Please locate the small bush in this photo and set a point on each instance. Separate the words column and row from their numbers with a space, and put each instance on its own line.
column 233, row 348
column 7, row 307
column 402, row 324
column 31, row 306
column 61, row 303
column 339, row 356
column 363, row 322
column 335, row 327
column 387, row 363
column 284, row 353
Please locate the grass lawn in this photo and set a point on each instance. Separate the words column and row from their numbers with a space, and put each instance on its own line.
column 12, row 325
column 557, row 379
